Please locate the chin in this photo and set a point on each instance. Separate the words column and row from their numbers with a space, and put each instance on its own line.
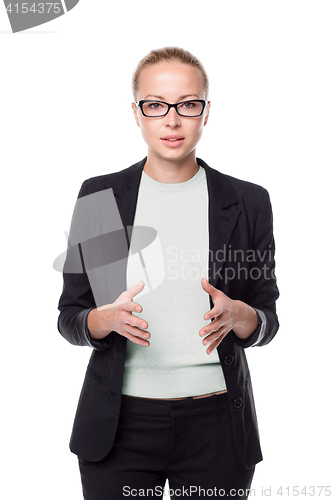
column 173, row 158
column 173, row 155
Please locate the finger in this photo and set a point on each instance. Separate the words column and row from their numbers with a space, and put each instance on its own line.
column 213, row 313
column 214, row 344
column 137, row 340
column 130, row 293
column 218, row 309
column 136, row 335
column 137, row 307
column 131, row 319
column 213, row 292
column 214, row 326
column 135, row 289
column 133, row 330
column 137, row 322
column 131, row 306
column 128, row 318
column 222, row 331
column 208, row 287
column 217, row 341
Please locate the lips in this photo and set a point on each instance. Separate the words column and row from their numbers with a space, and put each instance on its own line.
column 172, row 137
column 173, row 140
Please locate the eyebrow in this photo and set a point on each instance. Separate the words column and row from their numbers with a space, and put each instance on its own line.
column 181, row 97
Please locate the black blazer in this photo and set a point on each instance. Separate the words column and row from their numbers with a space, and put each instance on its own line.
column 241, row 224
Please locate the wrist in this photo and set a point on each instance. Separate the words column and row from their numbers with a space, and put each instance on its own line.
column 247, row 321
column 241, row 313
column 95, row 325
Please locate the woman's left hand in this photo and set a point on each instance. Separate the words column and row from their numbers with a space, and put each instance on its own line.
column 228, row 315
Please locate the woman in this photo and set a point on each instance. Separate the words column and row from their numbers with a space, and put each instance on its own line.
column 167, row 393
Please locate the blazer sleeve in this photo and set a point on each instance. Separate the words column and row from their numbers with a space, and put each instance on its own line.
column 262, row 291
column 75, row 303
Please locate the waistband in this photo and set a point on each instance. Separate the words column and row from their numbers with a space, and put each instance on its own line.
column 141, row 406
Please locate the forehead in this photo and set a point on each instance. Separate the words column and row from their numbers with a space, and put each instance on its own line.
column 170, row 79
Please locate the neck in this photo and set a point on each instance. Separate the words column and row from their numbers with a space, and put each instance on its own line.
column 171, row 171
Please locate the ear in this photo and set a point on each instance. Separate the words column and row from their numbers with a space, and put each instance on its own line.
column 135, row 112
column 207, row 112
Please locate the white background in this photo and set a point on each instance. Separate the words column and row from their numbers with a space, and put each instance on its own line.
column 66, row 115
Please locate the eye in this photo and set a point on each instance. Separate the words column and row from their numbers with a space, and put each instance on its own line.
column 190, row 104
column 154, row 105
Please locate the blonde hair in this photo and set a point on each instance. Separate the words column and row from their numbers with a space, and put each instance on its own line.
column 168, row 54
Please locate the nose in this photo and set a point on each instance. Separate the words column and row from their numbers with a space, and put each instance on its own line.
column 172, row 118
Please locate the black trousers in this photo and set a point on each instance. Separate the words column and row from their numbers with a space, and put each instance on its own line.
column 190, row 442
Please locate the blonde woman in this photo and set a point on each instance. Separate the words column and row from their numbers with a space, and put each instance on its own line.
column 167, row 392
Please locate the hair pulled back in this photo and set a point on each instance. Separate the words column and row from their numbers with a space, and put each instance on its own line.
column 168, row 54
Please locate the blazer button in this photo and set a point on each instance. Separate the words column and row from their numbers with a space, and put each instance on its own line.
column 238, row 403
column 229, row 360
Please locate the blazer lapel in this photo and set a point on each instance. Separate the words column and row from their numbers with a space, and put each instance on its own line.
column 126, row 194
column 223, row 215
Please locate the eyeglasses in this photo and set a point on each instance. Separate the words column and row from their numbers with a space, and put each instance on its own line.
column 155, row 109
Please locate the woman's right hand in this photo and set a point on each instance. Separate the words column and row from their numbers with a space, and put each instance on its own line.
column 118, row 317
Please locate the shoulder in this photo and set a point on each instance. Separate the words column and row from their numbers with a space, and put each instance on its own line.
column 97, row 183
column 242, row 191
column 246, row 190
column 241, row 185
column 251, row 199
column 254, row 198
column 117, row 180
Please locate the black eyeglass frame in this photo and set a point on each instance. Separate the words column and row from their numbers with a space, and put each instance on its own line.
column 141, row 103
